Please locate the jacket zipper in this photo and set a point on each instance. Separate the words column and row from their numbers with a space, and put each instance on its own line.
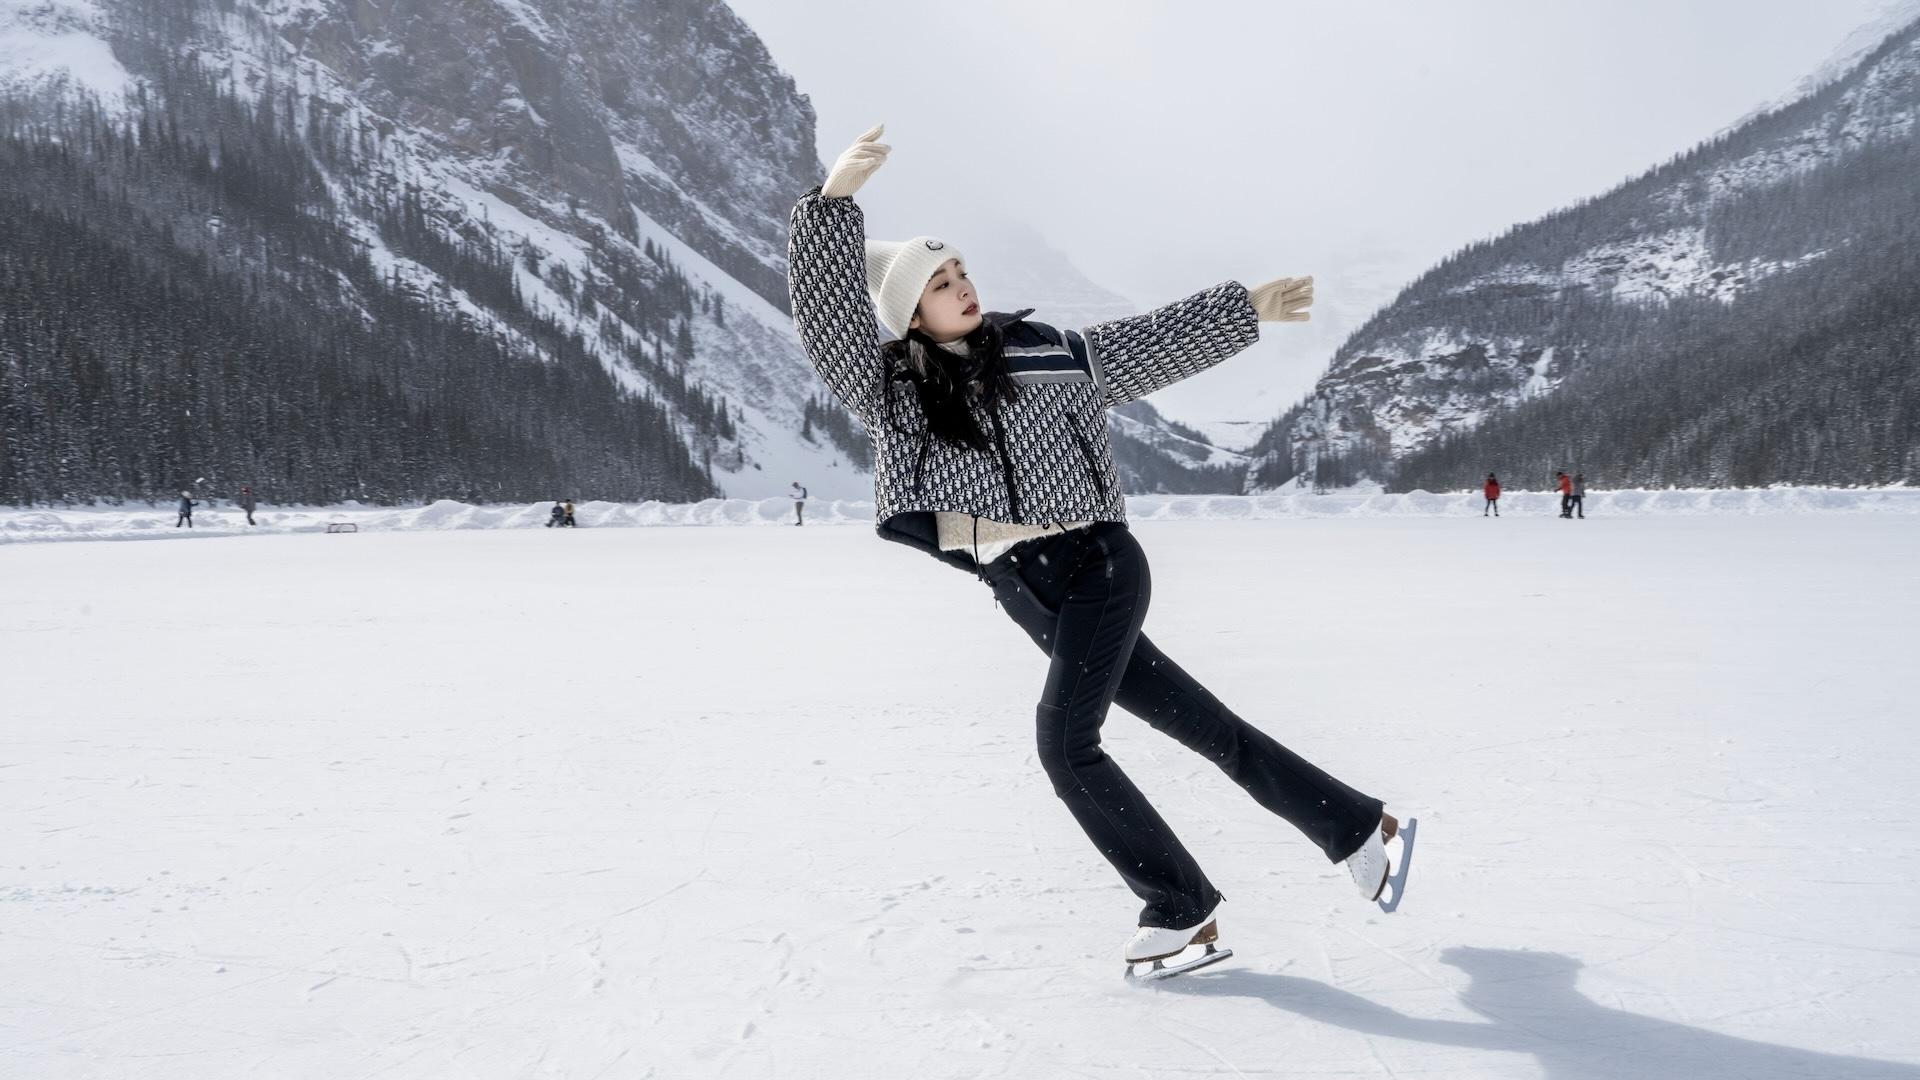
column 1086, row 451
column 1006, row 464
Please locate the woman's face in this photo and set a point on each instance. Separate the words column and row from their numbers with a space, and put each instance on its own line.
column 949, row 308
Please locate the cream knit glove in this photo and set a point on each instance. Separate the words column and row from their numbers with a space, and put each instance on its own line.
column 856, row 164
column 1282, row 299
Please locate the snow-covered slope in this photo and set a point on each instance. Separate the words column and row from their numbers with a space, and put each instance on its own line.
column 1868, row 36
column 51, row 46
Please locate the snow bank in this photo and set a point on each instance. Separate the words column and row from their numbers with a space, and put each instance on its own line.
column 157, row 522
column 144, row 523
column 1626, row 503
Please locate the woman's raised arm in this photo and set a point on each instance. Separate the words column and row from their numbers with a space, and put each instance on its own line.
column 827, row 279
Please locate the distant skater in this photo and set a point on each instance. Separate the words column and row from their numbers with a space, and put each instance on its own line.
column 1492, row 491
column 246, row 502
column 1579, row 496
column 186, row 511
column 799, row 497
column 1564, row 484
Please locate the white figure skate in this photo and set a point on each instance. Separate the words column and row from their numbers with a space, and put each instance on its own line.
column 1155, row 945
column 1373, row 871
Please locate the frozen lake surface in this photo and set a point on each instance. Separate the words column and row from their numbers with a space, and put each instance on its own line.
column 758, row 802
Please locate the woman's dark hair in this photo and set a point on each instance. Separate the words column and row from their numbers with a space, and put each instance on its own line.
column 949, row 384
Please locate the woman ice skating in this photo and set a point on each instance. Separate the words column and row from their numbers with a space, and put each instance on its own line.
column 991, row 454
column 1491, row 489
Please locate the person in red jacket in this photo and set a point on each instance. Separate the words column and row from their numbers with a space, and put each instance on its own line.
column 1492, row 490
column 1565, row 484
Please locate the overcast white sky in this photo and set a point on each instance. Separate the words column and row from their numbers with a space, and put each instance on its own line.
column 1164, row 146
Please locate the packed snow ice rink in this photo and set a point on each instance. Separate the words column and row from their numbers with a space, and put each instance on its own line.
column 762, row 802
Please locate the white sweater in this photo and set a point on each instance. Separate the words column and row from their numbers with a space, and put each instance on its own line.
column 957, row 534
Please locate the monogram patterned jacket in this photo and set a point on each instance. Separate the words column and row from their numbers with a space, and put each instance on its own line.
column 1050, row 461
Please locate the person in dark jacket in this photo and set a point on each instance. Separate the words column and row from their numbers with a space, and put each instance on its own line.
column 246, row 502
column 1491, row 489
column 1577, row 495
column 991, row 454
column 186, row 511
column 557, row 516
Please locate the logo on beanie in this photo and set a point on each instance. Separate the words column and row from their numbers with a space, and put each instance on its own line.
column 934, row 245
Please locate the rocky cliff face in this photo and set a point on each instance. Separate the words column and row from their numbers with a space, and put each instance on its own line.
column 672, row 108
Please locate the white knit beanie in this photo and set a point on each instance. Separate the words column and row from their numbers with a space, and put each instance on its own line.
column 897, row 273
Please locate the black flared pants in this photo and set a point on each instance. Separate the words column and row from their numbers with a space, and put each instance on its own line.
column 1082, row 596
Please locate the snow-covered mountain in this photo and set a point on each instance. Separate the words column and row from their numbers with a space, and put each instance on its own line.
column 628, row 166
column 1894, row 16
column 1804, row 198
column 602, row 149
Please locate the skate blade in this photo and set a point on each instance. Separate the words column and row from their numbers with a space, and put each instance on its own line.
column 1396, row 886
column 1160, row 969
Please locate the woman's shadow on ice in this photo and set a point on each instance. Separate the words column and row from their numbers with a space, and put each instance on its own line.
column 1532, row 1006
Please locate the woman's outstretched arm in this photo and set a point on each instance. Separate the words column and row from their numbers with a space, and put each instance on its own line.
column 1133, row 357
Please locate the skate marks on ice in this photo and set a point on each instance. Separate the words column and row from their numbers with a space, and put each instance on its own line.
column 1397, row 880
column 1533, row 1005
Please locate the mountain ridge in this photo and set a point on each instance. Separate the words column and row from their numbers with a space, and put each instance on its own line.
column 1505, row 322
